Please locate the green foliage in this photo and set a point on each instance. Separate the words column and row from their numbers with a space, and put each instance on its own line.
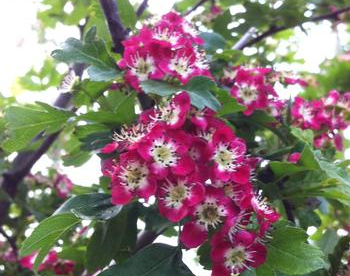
column 155, row 260
column 229, row 104
column 40, row 80
column 127, row 13
column 46, row 234
column 93, row 52
column 95, row 206
column 106, row 242
column 213, row 41
column 198, row 88
column 288, row 253
column 24, row 123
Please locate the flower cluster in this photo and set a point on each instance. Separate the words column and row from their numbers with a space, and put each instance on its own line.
column 51, row 263
column 254, row 88
column 197, row 168
column 326, row 116
column 170, row 48
column 63, row 185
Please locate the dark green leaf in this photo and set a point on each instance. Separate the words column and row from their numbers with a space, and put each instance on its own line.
column 159, row 88
column 229, row 104
column 26, row 122
column 105, row 242
column 155, row 260
column 306, row 136
column 289, row 253
column 198, row 88
column 93, row 52
column 90, row 206
column 46, row 234
column 336, row 257
column 127, row 13
column 204, row 256
column 213, row 41
column 221, row 22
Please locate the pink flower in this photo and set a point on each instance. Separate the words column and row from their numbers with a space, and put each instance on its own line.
column 63, row 185
column 228, row 154
column 166, row 151
column 65, row 267
column 233, row 257
column 294, row 157
column 177, row 196
column 167, row 48
column 132, row 177
column 109, row 148
column 174, row 114
column 210, row 213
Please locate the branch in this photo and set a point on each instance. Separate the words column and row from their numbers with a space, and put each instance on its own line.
column 11, row 241
column 145, row 238
column 196, row 6
column 142, row 8
column 24, row 161
column 273, row 30
column 116, row 29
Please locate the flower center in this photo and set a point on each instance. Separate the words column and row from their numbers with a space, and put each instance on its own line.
column 225, row 157
column 170, row 114
column 165, row 35
column 181, row 65
column 178, row 193
column 142, row 67
column 248, row 94
column 208, row 214
column 236, row 258
column 164, row 154
column 134, row 175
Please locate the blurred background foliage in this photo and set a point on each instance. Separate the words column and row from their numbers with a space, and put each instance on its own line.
column 99, row 105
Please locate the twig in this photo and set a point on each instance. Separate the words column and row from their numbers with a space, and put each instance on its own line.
column 116, row 29
column 196, row 6
column 274, row 29
column 11, row 241
column 142, row 8
column 24, row 161
column 251, row 33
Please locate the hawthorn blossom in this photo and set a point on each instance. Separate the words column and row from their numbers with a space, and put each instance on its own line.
column 177, row 195
column 132, row 177
column 63, row 185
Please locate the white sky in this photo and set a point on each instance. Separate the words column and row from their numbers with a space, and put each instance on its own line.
column 19, row 51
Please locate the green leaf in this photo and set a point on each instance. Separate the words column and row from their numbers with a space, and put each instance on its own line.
column 105, row 242
column 336, row 257
column 306, row 136
column 213, row 41
column 307, row 162
column 229, row 104
column 204, row 256
column 90, row 206
column 265, row 270
column 198, row 88
column 92, row 51
column 154, row 260
column 159, row 88
column 156, row 222
column 46, row 235
column 87, row 92
column 127, row 13
column 25, row 123
column 122, row 113
column 41, row 80
column 289, row 253
column 221, row 23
